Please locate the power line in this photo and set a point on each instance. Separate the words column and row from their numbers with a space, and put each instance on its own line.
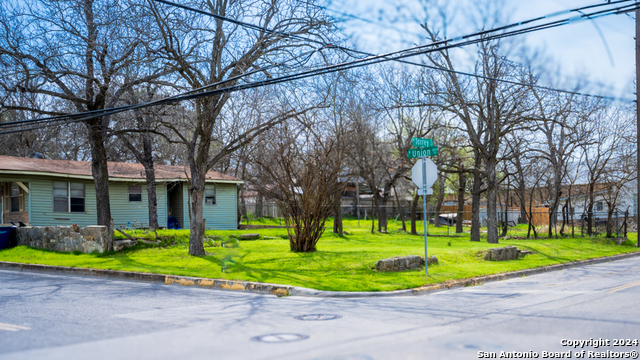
column 380, row 24
column 339, row 67
column 168, row 100
column 393, row 56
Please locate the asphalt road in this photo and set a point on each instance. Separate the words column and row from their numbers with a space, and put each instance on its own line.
column 44, row 316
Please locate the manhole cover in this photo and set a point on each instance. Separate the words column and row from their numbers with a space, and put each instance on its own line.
column 318, row 317
column 280, row 338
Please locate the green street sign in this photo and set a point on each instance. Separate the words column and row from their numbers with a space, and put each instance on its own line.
column 422, row 143
column 418, row 153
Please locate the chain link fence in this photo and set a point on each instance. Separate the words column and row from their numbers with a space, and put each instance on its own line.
column 514, row 220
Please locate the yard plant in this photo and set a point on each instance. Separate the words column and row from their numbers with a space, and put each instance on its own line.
column 341, row 263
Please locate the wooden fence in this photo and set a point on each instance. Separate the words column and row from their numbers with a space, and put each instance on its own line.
column 540, row 214
column 466, row 212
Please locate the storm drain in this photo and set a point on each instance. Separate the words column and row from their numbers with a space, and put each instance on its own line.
column 318, row 317
column 280, row 338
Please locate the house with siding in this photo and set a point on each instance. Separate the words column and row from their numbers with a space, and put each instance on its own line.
column 42, row 192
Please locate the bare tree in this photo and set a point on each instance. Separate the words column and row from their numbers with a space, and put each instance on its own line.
column 302, row 169
column 398, row 93
column 621, row 171
column 607, row 136
column 488, row 110
column 562, row 133
column 140, row 139
column 216, row 52
column 76, row 51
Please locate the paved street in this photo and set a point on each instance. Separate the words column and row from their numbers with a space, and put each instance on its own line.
column 45, row 316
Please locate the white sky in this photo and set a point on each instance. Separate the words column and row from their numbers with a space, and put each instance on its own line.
column 577, row 50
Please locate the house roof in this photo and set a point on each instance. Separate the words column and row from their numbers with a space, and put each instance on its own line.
column 118, row 171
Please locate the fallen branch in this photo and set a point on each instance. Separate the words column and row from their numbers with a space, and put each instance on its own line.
column 126, row 235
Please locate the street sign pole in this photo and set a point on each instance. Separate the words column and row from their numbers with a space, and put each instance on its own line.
column 424, row 211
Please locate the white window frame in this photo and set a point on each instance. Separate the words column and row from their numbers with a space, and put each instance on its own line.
column 11, row 196
column 130, row 193
column 215, row 194
column 84, row 197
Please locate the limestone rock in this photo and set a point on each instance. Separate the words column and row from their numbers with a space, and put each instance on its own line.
column 119, row 245
column 249, row 237
column 505, row 253
column 401, row 263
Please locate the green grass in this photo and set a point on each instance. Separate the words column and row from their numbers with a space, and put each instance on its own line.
column 341, row 263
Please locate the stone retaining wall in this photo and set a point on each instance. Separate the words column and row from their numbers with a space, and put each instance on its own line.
column 65, row 238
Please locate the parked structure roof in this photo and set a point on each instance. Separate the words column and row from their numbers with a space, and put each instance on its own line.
column 118, row 171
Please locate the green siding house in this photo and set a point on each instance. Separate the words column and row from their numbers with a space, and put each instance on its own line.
column 42, row 192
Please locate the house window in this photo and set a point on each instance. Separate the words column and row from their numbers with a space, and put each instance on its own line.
column 15, row 198
column 599, row 206
column 210, row 194
column 60, row 197
column 68, row 197
column 76, row 202
column 135, row 193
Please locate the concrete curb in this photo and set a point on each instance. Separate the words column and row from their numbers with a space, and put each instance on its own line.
column 255, row 287
column 286, row 290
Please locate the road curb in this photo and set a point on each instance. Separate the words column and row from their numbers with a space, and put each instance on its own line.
column 286, row 290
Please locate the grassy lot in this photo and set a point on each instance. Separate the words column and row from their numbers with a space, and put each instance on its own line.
column 341, row 263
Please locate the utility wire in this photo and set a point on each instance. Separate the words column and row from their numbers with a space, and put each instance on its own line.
column 397, row 55
column 380, row 24
column 168, row 100
column 332, row 68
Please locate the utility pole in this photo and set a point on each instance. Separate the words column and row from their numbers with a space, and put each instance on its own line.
column 637, row 116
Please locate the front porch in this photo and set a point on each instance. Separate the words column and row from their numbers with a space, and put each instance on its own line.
column 14, row 202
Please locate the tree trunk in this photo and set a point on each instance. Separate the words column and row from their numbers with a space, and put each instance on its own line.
column 462, row 185
column 590, row 209
column 381, row 205
column 373, row 218
column 150, row 176
column 337, row 218
column 553, row 217
column 400, row 209
column 573, row 217
column 414, row 208
column 259, row 201
column 441, row 185
column 492, row 189
column 196, row 244
column 531, row 227
column 475, row 207
column 196, row 203
column 565, row 216
column 243, row 203
column 151, row 195
column 505, row 217
column 100, row 172
column 610, row 222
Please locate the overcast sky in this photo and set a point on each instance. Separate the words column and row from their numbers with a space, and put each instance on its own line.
column 601, row 50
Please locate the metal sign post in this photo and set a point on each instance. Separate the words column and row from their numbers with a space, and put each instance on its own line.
column 424, row 149
column 424, row 210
